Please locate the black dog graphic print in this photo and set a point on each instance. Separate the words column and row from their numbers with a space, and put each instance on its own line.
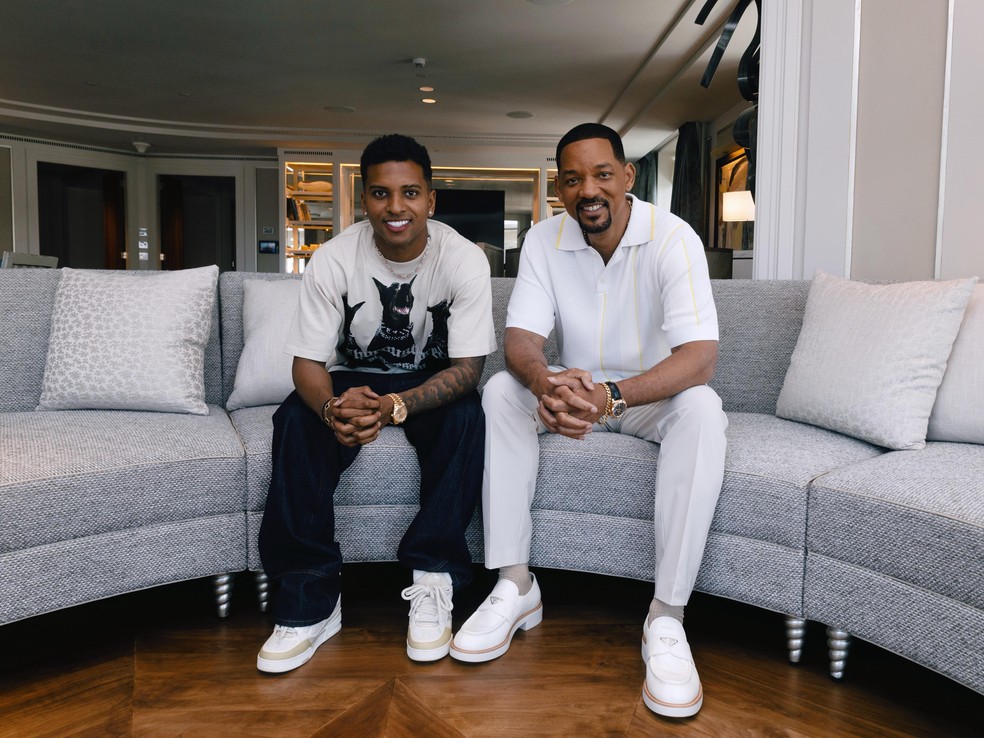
column 393, row 343
column 435, row 355
column 348, row 347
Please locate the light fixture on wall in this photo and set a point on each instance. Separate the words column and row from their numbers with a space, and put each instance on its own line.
column 141, row 146
column 737, row 207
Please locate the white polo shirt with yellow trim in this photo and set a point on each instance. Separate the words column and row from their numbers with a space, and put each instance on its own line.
column 616, row 320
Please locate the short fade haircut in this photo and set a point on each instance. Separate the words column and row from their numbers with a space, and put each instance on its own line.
column 394, row 147
column 592, row 130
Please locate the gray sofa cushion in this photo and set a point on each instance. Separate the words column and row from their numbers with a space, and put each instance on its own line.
column 27, row 297
column 931, row 629
column 45, row 578
column 79, row 473
column 768, row 469
column 769, row 465
column 909, row 515
column 759, row 324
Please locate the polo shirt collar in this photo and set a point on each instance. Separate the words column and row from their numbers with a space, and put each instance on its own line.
column 639, row 230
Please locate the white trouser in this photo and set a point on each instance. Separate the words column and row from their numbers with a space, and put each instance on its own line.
column 690, row 428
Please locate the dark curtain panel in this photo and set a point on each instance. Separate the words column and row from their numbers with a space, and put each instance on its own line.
column 645, row 181
column 688, row 201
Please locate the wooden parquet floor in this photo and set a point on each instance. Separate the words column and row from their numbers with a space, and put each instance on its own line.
column 159, row 663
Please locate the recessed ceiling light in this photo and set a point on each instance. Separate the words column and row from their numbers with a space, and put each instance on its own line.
column 429, row 100
column 520, row 114
column 339, row 109
column 425, row 88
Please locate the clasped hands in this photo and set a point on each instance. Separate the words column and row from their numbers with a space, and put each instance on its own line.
column 572, row 403
column 358, row 414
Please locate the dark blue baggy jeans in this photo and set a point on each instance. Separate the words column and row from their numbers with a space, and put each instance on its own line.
column 297, row 537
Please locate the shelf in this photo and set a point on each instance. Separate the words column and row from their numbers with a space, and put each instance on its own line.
column 310, row 215
column 323, row 224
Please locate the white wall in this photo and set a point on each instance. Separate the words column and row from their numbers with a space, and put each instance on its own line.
column 961, row 245
column 899, row 130
column 869, row 167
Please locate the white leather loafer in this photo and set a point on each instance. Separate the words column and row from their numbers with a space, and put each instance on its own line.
column 672, row 686
column 486, row 635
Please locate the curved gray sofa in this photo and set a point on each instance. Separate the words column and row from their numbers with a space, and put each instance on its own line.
column 885, row 546
column 95, row 503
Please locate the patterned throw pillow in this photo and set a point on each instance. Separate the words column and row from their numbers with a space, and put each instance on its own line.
column 263, row 375
column 130, row 341
column 870, row 358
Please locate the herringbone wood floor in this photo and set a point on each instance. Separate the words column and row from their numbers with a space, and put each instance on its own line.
column 159, row 663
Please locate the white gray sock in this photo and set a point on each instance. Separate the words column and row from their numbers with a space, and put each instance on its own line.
column 518, row 574
column 658, row 609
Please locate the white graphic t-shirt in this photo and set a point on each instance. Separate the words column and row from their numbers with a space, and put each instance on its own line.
column 359, row 312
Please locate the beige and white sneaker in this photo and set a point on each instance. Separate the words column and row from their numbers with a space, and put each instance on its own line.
column 290, row 647
column 429, row 632
column 672, row 687
column 486, row 635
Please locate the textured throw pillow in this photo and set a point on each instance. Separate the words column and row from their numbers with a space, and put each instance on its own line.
column 263, row 375
column 958, row 414
column 124, row 341
column 870, row 358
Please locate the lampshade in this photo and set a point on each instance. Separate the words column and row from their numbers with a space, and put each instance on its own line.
column 738, row 206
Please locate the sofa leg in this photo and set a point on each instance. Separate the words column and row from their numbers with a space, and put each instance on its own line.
column 262, row 590
column 838, row 645
column 222, row 586
column 795, row 633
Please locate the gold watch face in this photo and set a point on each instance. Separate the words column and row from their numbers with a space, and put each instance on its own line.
column 618, row 407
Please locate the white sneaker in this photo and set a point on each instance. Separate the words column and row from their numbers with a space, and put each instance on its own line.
column 486, row 635
column 672, row 687
column 429, row 632
column 290, row 647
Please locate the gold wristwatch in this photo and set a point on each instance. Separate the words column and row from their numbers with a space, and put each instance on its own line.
column 399, row 413
column 616, row 405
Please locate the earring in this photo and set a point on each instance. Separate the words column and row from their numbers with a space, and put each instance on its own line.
column 430, row 213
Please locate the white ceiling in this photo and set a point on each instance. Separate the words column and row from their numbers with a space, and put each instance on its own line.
column 248, row 76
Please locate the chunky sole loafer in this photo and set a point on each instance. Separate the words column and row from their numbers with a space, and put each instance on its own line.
column 672, row 687
column 487, row 634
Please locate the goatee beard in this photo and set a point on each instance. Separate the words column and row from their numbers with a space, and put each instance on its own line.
column 596, row 227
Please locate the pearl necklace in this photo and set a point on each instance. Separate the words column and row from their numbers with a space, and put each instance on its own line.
column 404, row 277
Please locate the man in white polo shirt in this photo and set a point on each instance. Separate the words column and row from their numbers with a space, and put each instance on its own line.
column 625, row 286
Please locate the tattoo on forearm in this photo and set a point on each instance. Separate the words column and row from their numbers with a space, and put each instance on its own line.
column 446, row 386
